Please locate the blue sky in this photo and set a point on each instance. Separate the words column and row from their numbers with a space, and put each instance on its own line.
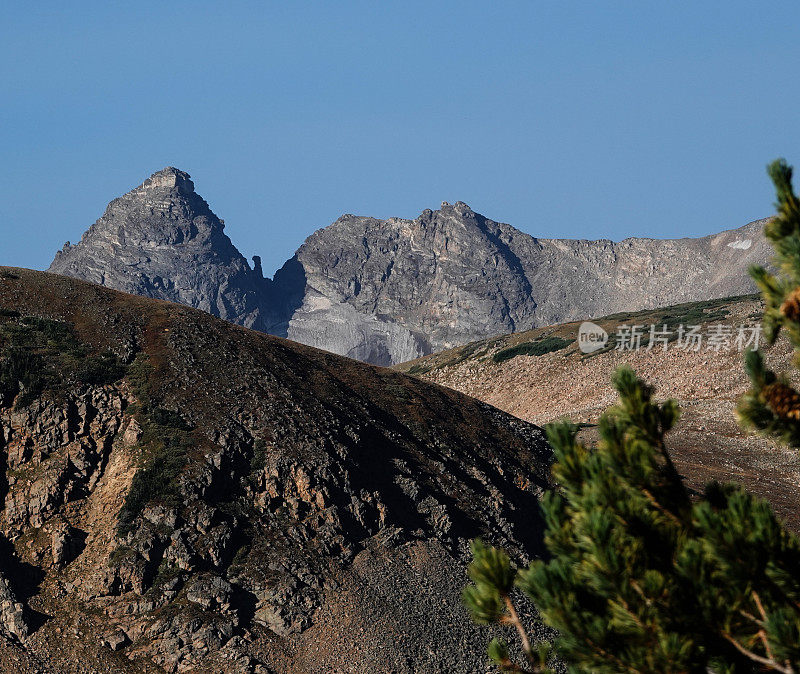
column 572, row 119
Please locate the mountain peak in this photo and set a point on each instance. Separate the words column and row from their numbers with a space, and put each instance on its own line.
column 162, row 240
column 169, row 177
column 459, row 208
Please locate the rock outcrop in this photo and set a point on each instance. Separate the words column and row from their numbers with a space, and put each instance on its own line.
column 388, row 291
column 12, row 613
column 213, row 499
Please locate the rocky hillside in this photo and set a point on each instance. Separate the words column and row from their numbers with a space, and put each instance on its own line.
column 183, row 494
column 387, row 291
column 542, row 375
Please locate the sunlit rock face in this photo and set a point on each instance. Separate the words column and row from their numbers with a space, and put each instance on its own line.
column 397, row 289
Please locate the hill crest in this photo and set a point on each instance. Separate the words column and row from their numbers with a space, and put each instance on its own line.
column 186, row 494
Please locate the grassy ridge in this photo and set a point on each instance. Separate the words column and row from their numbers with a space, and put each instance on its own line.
column 39, row 354
column 540, row 341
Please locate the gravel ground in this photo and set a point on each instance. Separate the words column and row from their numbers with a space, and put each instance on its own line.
column 707, row 442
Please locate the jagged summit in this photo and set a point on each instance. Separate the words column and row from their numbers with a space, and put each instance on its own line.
column 162, row 240
column 164, row 210
column 168, row 194
column 458, row 207
column 169, row 177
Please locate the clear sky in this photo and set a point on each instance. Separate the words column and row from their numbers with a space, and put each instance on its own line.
column 572, row 119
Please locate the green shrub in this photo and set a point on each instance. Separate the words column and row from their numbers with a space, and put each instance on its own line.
column 156, row 480
column 467, row 352
column 259, row 458
column 419, row 368
column 38, row 354
column 119, row 555
column 693, row 314
column 99, row 370
column 168, row 419
column 166, row 441
column 536, row 348
column 139, row 375
column 21, row 370
column 58, row 332
column 166, row 572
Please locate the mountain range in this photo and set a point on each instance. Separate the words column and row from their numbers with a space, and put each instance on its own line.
column 388, row 291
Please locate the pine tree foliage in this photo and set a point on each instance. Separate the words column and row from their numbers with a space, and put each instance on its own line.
column 641, row 578
column 772, row 406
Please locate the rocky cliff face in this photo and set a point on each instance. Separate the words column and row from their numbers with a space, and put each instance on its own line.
column 388, row 291
column 184, row 495
column 393, row 290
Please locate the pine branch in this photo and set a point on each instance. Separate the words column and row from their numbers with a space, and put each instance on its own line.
column 767, row 662
column 513, row 619
column 661, row 508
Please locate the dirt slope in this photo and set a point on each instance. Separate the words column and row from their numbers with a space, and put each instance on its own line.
column 707, row 442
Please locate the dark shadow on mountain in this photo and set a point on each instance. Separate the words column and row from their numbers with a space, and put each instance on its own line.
column 24, row 580
column 511, row 259
column 286, row 295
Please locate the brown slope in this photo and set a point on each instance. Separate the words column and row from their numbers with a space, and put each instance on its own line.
column 319, row 523
column 707, row 443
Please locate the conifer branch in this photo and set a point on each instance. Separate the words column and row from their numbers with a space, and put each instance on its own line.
column 762, row 632
column 513, row 618
column 767, row 662
column 610, row 656
column 661, row 508
column 760, row 606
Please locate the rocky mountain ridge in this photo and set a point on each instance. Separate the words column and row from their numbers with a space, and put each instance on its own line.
column 388, row 291
column 182, row 494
